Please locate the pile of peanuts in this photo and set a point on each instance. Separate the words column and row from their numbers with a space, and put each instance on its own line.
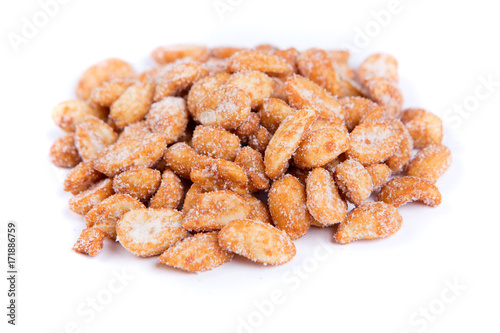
column 223, row 151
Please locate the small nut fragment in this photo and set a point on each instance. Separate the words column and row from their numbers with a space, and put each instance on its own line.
column 285, row 141
column 105, row 214
column 323, row 199
column 196, row 254
column 303, row 93
column 380, row 174
column 354, row 181
column 227, row 107
column 371, row 220
column 215, row 142
column 287, row 205
column 142, row 152
column 84, row 201
column 257, row 85
column 248, row 127
column 425, row 128
column 375, row 141
column 149, row 232
column 168, row 117
column 170, row 192
column 63, row 152
column 89, row 242
column 67, row 115
column 401, row 190
column 140, row 184
column 259, row 140
column 132, row 105
column 166, row 54
column 273, row 112
column 214, row 210
column 400, row 159
column 386, row 93
column 103, row 71
column 259, row 61
column 379, row 65
column 253, row 164
column 430, row 163
column 191, row 198
column 218, row 174
column 321, row 146
column 257, row 241
column 92, row 136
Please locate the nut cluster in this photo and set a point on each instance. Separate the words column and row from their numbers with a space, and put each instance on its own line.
column 224, row 151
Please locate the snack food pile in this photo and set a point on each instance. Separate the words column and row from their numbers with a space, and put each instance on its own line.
column 223, row 151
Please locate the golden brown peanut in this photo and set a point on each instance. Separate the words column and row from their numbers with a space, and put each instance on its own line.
column 63, row 152
column 387, row 94
column 132, row 105
column 191, row 198
column 259, row 210
column 400, row 159
column 218, row 174
column 257, row 85
column 92, row 136
column 323, row 199
column 223, row 52
column 303, row 93
column 149, row 232
column 354, row 181
column 134, row 131
column 227, row 107
column 84, row 201
column 379, row 65
column 401, row 190
column 425, row 127
column 356, row 108
column 166, row 54
column 273, row 112
column 181, row 159
column 216, row 66
column 81, row 177
column 375, row 141
column 321, row 146
column 287, row 205
column 253, row 164
column 108, row 92
column 140, row 184
column 279, row 91
column 214, row 210
column 103, row 71
column 380, row 174
column 430, row 163
column 215, row 142
column 196, row 254
column 106, row 213
column 143, row 152
column 174, row 78
column 248, row 127
column 259, row 140
column 259, row 61
column 371, row 220
column 285, row 141
column 89, row 242
column 67, row 115
column 168, row 117
column 203, row 87
column 257, row 241
column 290, row 56
column 170, row 192
column 316, row 65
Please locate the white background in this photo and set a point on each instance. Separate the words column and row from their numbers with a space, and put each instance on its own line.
column 444, row 49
